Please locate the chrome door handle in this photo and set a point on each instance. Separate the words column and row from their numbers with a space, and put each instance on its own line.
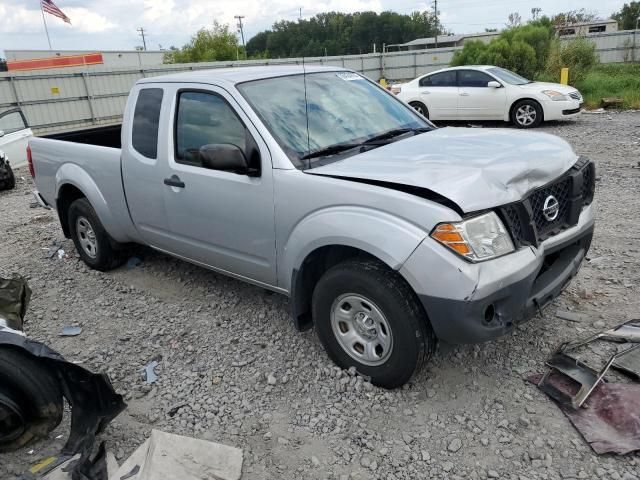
column 174, row 181
column 425, row 93
column 464, row 94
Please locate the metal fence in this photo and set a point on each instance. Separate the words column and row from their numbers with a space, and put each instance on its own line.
column 55, row 101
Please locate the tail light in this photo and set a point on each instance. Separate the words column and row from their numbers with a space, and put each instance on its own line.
column 30, row 163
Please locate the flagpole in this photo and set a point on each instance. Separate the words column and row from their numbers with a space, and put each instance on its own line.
column 45, row 25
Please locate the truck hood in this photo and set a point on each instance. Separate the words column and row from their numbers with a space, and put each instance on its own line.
column 474, row 168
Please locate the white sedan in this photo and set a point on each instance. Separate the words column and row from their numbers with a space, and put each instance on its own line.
column 489, row 93
column 14, row 135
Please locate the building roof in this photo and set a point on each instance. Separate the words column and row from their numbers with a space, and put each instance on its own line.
column 235, row 75
column 586, row 24
column 444, row 39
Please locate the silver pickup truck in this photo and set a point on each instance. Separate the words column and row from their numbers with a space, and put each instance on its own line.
column 387, row 233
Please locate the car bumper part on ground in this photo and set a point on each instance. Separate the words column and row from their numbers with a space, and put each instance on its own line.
column 471, row 303
column 562, row 110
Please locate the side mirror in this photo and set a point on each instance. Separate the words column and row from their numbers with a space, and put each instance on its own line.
column 1, row 133
column 493, row 84
column 223, row 156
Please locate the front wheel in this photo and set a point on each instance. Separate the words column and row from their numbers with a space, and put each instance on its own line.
column 526, row 114
column 367, row 317
column 9, row 181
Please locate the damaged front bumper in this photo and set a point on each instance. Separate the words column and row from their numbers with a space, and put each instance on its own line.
column 475, row 302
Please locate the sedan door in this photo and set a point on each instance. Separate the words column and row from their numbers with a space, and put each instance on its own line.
column 219, row 218
column 478, row 101
column 439, row 92
column 14, row 136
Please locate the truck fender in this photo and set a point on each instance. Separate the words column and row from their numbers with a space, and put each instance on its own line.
column 71, row 174
column 381, row 235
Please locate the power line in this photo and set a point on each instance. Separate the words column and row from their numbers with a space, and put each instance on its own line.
column 144, row 42
column 240, row 17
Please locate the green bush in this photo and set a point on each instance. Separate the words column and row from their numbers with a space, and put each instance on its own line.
column 579, row 55
column 522, row 49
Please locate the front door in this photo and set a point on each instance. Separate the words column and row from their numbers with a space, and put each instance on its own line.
column 477, row 100
column 14, row 136
column 219, row 218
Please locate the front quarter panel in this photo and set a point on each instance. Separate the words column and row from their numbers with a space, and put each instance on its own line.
column 313, row 211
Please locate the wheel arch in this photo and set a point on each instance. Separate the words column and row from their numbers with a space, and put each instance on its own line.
column 305, row 277
column 67, row 194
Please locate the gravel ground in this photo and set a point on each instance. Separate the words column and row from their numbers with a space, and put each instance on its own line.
column 233, row 369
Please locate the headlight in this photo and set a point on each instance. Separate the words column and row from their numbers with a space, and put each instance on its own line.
column 479, row 238
column 555, row 96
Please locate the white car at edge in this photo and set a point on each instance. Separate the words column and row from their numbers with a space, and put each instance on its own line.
column 485, row 92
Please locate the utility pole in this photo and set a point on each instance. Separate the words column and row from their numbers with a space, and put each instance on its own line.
column 300, row 16
column 435, row 13
column 240, row 17
column 144, row 42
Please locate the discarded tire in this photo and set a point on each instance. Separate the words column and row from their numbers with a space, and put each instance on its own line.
column 31, row 401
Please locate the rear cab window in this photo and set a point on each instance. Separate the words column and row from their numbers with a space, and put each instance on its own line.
column 146, row 121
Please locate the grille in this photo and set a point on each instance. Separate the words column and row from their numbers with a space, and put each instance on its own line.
column 526, row 220
column 588, row 185
column 561, row 191
column 514, row 224
column 575, row 95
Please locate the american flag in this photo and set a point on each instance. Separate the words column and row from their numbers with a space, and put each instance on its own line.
column 50, row 7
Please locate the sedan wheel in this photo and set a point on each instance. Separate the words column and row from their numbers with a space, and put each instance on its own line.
column 421, row 108
column 526, row 114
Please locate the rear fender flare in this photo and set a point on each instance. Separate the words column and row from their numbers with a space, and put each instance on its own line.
column 71, row 174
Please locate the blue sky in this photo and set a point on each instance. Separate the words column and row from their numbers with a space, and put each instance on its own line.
column 99, row 25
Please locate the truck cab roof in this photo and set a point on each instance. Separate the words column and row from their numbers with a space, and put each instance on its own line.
column 235, row 75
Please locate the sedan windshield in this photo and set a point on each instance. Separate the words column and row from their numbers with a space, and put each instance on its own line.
column 336, row 112
column 508, row 76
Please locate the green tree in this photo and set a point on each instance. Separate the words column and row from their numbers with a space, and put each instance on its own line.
column 627, row 16
column 523, row 49
column 574, row 16
column 207, row 45
column 579, row 55
column 337, row 33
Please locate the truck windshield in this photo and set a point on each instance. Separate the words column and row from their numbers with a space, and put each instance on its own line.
column 338, row 111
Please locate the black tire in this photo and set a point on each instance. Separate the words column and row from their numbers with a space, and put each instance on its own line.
column 35, row 389
column 519, row 115
column 10, row 182
column 413, row 339
column 106, row 255
column 421, row 108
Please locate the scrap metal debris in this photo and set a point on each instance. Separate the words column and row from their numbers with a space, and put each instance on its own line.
column 605, row 413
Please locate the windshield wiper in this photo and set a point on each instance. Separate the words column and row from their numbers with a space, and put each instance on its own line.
column 394, row 133
column 330, row 150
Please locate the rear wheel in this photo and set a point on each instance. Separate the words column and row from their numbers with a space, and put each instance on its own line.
column 421, row 108
column 367, row 317
column 526, row 114
column 92, row 241
column 31, row 402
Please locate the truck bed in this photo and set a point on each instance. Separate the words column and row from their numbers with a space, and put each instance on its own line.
column 88, row 161
column 108, row 136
